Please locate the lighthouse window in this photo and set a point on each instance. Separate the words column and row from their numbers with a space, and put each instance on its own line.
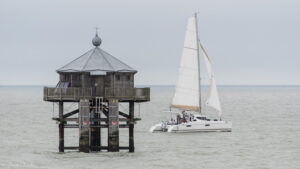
column 63, row 84
column 75, row 77
column 118, row 77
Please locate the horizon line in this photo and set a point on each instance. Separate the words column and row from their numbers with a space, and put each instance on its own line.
column 41, row 85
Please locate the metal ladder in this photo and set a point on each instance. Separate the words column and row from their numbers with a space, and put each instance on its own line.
column 98, row 104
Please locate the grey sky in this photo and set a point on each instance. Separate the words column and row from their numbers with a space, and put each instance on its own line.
column 248, row 41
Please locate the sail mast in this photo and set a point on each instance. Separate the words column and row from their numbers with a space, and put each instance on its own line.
column 199, row 78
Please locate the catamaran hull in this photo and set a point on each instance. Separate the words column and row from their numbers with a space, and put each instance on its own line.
column 158, row 128
column 212, row 126
column 219, row 126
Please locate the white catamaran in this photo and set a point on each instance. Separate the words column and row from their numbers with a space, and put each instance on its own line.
column 187, row 97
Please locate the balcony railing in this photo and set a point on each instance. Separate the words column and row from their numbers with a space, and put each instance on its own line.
column 67, row 93
column 128, row 93
column 75, row 94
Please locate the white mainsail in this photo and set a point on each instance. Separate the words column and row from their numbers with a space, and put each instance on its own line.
column 186, row 95
column 213, row 96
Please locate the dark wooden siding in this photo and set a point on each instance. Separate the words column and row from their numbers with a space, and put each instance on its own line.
column 99, row 82
column 108, row 81
column 74, row 79
column 123, row 80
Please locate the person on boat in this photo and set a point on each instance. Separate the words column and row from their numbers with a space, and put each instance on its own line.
column 162, row 124
column 184, row 116
column 181, row 120
column 178, row 118
column 172, row 121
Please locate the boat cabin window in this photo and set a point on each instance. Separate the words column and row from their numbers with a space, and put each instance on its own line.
column 201, row 118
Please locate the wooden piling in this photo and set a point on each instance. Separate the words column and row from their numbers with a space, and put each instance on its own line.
column 84, row 125
column 61, row 127
column 113, row 125
column 131, row 126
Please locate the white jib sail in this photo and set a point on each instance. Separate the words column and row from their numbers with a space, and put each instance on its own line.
column 186, row 95
column 213, row 96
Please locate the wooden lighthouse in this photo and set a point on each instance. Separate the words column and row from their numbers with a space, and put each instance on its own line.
column 98, row 82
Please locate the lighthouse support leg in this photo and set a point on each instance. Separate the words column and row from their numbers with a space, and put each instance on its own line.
column 95, row 132
column 113, row 125
column 84, row 125
column 61, row 126
column 131, row 127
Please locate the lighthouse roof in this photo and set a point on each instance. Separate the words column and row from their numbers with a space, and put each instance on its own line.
column 96, row 61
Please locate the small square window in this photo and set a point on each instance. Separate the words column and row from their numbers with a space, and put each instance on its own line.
column 118, row 77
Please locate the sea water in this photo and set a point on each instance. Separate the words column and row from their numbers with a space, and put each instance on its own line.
column 265, row 134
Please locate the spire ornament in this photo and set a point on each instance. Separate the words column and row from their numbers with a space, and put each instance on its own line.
column 96, row 40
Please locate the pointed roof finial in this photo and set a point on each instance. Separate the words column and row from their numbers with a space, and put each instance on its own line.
column 96, row 40
column 96, row 30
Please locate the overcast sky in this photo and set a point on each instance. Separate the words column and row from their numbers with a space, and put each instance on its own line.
column 248, row 41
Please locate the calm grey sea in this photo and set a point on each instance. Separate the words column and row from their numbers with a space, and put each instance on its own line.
column 266, row 133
